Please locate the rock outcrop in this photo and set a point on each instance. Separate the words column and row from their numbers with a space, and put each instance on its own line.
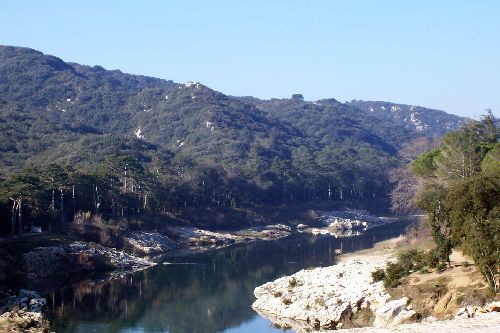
column 149, row 242
column 199, row 240
column 394, row 313
column 476, row 311
column 323, row 297
column 24, row 312
column 76, row 258
column 487, row 323
column 345, row 223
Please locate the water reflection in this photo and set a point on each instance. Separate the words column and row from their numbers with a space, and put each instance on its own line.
column 213, row 293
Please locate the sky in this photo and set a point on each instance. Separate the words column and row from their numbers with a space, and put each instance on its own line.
column 442, row 54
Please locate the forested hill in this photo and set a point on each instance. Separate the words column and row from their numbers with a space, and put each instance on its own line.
column 415, row 118
column 202, row 148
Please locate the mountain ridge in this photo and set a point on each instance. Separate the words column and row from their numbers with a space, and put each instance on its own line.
column 281, row 149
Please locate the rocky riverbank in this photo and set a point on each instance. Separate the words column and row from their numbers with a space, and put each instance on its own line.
column 79, row 258
column 324, row 297
column 344, row 223
column 149, row 243
column 344, row 296
column 196, row 239
column 487, row 322
column 24, row 312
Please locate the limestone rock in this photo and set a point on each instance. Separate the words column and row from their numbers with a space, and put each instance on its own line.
column 150, row 242
column 476, row 311
column 394, row 313
column 24, row 313
column 322, row 297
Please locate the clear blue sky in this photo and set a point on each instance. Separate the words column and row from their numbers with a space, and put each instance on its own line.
column 437, row 53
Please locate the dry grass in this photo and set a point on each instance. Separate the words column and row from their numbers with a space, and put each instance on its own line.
column 435, row 293
column 441, row 294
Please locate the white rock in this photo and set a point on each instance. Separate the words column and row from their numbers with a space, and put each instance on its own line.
column 324, row 295
column 385, row 314
column 138, row 133
column 150, row 242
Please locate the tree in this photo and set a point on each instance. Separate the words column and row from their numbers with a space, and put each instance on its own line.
column 460, row 191
column 25, row 191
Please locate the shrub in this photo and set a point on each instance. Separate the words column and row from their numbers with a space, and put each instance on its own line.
column 440, row 289
column 441, row 266
column 431, row 258
column 393, row 273
column 378, row 275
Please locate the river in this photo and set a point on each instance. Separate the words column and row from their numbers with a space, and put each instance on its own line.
column 199, row 293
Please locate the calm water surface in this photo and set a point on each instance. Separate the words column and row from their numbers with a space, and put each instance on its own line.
column 199, row 293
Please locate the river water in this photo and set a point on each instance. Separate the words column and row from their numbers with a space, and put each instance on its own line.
column 200, row 293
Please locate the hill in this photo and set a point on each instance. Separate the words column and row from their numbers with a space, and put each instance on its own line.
column 197, row 147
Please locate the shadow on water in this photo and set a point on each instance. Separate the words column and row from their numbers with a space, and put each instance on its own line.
column 212, row 293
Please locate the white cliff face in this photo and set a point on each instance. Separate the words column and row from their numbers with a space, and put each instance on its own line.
column 323, row 297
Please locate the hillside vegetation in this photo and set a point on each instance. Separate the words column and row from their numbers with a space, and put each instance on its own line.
column 79, row 138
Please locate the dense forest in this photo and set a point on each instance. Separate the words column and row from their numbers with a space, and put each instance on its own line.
column 84, row 140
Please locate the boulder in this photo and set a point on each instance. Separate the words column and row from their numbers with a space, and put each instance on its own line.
column 395, row 313
column 24, row 313
column 493, row 307
column 323, row 297
column 44, row 262
column 474, row 311
column 406, row 317
column 150, row 242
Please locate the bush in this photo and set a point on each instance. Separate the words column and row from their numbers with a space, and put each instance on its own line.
column 408, row 262
column 378, row 275
column 431, row 259
column 441, row 266
column 411, row 260
column 393, row 273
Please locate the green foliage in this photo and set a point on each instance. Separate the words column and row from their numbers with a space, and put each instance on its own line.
column 378, row 275
column 425, row 164
column 491, row 162
column 196, row 148
column 462, row 194
column 407, row 262
column 441, row 266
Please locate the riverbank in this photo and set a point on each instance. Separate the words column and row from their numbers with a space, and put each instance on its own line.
column 44, row 262
column 24, row 312
column 344, row 296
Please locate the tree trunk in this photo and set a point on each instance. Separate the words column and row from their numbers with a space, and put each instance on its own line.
column 52, row 220
column 74, row 202
column 13, row 220
column 20, row 220
column 62, row 207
